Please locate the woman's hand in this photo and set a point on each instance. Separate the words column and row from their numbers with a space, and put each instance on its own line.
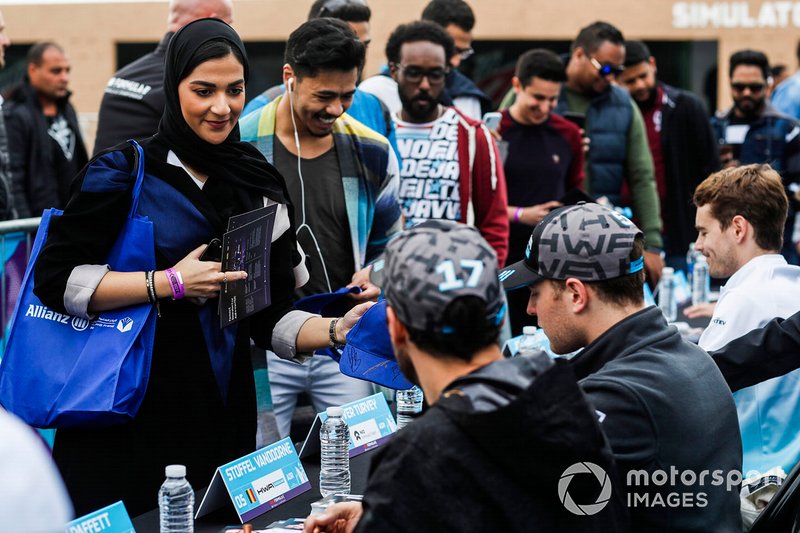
column 349, row 320
column 203, row 279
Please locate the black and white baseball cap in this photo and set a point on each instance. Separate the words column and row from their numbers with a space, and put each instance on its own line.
column 585, row 241
column 432, row 264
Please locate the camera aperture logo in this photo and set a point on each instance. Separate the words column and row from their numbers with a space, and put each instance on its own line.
column 590, row 508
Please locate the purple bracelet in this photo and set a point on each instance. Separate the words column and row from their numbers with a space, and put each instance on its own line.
column 517, row 214
column 175, row 283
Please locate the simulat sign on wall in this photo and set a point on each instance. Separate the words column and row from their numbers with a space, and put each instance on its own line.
column 689, row 15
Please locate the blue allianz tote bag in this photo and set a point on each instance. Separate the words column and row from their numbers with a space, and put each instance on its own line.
column 63, row 371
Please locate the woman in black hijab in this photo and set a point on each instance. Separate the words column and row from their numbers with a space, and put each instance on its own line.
column 199, row 408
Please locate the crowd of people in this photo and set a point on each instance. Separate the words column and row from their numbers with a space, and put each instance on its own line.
column 595, row 178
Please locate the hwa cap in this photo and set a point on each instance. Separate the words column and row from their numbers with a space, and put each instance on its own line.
column 589, row 242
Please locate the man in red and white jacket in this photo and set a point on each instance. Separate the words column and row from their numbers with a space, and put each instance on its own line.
column 451, row 166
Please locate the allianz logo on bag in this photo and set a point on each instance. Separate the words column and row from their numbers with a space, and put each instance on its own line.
column 42, row 312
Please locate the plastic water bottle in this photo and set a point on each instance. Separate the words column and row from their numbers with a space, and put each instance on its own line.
column 409, row 404
column 530, row 342
column 176, row 502
column 334, row 471
column 691, row 255
column 701, row 284
column 666, row 297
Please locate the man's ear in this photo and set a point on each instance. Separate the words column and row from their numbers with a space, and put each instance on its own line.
column 516, row 84
column 741, row 228
column 393, row 70
column 288, row 73
column 397, row 331
column 578, row 294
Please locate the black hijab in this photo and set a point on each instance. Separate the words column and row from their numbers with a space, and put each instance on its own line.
column 232, row 161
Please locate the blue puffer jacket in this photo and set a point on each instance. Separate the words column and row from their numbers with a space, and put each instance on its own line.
column 607, row 123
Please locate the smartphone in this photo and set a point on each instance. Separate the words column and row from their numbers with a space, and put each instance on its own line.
column 579, row 119
column 492, row 119
column 213, row 251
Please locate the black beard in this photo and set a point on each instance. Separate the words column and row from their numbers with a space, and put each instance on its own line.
column 753, row 112
column 416, row 114
column 406, row 366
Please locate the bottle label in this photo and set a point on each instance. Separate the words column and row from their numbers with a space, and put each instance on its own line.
column 257, row 482
column 111, row 519
column 369, row 421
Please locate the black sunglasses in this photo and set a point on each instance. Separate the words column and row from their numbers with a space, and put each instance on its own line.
column 607, row 68
column 329, row 8
column 754, row 87
column 415, row 74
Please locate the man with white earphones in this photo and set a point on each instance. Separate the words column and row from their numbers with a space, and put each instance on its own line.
column 342, row 178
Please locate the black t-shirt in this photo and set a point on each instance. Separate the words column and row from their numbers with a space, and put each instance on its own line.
column 133, row 100
column 64, row 143
column 325, row 215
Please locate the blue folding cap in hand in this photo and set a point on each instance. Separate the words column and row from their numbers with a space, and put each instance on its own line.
column 368, row 354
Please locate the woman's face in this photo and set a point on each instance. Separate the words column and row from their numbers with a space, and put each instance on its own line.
column 212, row 98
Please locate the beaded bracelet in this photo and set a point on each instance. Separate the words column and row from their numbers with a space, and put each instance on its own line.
column 175, row 283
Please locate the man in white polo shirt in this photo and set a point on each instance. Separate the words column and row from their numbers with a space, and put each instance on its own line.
column 740, row 219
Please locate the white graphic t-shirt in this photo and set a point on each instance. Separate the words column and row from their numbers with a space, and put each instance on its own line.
column 429, row 187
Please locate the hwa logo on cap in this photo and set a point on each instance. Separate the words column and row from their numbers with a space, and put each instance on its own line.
column 622, row 219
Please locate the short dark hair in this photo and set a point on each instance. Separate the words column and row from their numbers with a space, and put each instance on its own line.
column 446, row 12
column 472, row 331
column 36, row 52
column 214, row 49
column 540, row 63
column 324, row 44
column 415, row 32
column 621, row 291
column 777, row 70
column 636, row 52
column 346, row 10
column 755, row 192
column 749, row 57
column 592, row 36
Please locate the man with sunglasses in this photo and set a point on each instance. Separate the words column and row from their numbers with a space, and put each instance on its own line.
column 451, row 167
column 457, row 19
column 683, row 147
column 618, row 164
column 752, row 131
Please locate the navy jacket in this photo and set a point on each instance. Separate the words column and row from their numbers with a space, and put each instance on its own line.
column 664, row 405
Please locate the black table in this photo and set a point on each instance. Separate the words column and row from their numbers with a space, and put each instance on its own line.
column 298, row 507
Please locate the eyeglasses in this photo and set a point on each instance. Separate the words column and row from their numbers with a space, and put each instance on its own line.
column 754, row 87
column 415, row 74
column 465, row 53
column 329, row 8
column 606, row 69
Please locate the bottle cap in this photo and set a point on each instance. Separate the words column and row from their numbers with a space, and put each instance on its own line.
column 334, row 411
column 529, row 330
column 701, row 259
column 667, row 271
column 175, row 471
